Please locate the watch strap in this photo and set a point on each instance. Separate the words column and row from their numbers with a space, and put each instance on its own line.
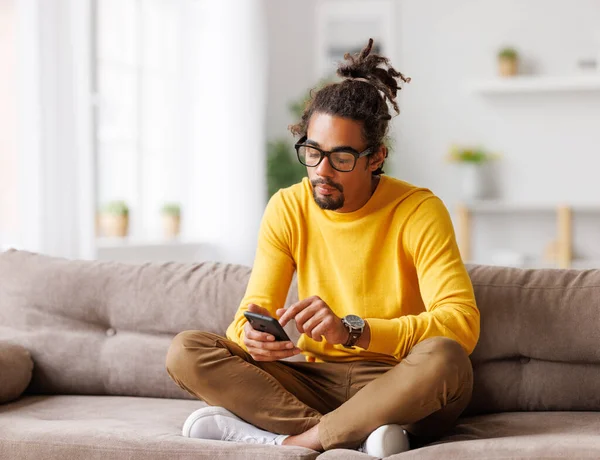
column 352, row 337
column 354, row 334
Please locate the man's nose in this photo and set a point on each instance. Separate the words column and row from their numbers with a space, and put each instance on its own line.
column 324, row 168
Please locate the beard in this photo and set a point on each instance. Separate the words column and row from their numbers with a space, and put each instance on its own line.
column 329, row 203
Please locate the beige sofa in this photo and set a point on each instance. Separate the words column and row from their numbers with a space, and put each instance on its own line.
column 83, row 345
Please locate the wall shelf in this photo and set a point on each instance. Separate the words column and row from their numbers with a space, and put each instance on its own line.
column 563, row 245
column 160, row 250
column 536, row 84
column 500, row 207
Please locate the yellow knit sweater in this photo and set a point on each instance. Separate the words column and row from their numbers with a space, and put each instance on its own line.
column 394, row 262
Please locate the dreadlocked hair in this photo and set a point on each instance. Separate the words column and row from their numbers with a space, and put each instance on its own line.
column 362, row 95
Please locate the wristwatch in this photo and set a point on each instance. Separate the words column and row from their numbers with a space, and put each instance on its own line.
column 356, row 326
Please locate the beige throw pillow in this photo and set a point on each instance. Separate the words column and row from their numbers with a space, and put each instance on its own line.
column 16, row 367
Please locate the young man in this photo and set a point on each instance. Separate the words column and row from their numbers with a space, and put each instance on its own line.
column 387, row 311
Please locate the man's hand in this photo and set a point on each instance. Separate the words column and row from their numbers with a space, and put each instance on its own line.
column 315, row 319
column 262, row 346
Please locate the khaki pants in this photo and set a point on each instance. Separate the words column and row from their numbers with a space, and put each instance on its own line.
column 425, row 392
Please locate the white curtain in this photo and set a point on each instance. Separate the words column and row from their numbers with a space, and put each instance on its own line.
column 227, row 175
column 53, row 128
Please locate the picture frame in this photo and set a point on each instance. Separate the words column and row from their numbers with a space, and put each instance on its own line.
column 346, row 26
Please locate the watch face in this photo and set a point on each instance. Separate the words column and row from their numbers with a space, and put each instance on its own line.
column 355, row 321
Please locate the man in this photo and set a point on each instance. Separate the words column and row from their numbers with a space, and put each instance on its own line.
column 386, row 311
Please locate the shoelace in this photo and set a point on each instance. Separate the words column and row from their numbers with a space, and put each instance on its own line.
column 230, row 436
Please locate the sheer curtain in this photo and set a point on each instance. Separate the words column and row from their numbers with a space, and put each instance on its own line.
column 55, row 175
column 227, row 173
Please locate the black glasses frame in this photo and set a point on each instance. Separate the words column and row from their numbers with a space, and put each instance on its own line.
column 325, row 153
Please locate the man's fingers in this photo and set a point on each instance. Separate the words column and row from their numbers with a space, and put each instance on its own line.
column 318, row 317
column 253, row 334
column 269, row 346
column 260, row 336
column 313, row 312
column 294, row 309
column 259, row 354
column 252, row 307
column 319, row 331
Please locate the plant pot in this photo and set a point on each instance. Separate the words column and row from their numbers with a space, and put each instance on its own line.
column 171, row 225
column 473, row 182
column 114, row 225
column 508, row 67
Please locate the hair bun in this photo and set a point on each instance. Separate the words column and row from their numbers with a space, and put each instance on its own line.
column 366, row 67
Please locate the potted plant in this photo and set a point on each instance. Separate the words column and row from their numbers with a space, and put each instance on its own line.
column 171, row 216
column 283, row 169
column 472, row 161
column 508, row 62
column 114, row 219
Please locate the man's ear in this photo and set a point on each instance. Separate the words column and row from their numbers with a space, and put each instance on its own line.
column 377, row 158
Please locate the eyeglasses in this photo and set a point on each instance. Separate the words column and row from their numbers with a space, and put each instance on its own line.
column 342, row 159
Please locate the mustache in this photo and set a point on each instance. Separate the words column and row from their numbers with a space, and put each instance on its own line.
column 328, row 183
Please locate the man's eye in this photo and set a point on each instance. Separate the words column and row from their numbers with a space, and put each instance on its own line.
column 344, row 158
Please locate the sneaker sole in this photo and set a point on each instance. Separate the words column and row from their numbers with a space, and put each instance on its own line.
column 204, row 412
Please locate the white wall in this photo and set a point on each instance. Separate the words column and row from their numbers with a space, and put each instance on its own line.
column 549, row 142
column 291, row 46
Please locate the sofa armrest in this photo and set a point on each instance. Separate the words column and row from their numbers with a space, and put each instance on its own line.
column 16, row 367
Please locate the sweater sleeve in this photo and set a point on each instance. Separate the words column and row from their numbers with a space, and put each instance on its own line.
column 444, row 285
column 272, row 270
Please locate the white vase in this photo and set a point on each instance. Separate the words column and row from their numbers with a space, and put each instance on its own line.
column 473, row 186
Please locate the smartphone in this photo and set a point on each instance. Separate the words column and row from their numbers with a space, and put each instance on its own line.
column 266, row 324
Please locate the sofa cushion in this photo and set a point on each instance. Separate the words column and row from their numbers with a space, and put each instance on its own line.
column 15, row 371
column 115, row 428
column 97, row 327
column 539, row 347
column 517, row 435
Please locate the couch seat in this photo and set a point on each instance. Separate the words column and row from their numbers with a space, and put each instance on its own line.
column 66, row 427
column 517, row 435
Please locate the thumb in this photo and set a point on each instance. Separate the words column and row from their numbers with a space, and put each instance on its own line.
column 252, row 307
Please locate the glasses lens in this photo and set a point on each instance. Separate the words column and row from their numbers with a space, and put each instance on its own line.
column 308, row 155
column 342, row 161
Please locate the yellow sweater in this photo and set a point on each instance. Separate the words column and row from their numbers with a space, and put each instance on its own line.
column 394, row 262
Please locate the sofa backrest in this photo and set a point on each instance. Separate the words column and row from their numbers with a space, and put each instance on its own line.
column 539, row 347
column 104, row 327
column 97, row 327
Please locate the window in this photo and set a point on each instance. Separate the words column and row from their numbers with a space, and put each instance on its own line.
column 140, row 107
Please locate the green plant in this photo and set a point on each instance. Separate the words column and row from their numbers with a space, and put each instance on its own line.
column 116, row 208
column 171, row 209
column 508, row 53
column 470, row 155
column 283, row 169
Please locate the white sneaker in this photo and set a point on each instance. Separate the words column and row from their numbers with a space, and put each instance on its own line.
column 219, row 424
column 385, row 441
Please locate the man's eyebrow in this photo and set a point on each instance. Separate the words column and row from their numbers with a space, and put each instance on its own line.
column 339, row 148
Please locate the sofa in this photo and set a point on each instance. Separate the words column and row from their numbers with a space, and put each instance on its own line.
column 83, row 346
